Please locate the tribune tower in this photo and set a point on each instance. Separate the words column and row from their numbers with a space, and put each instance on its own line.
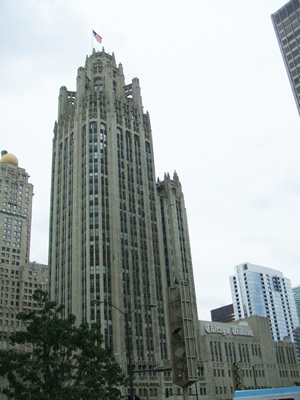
column 117, row 235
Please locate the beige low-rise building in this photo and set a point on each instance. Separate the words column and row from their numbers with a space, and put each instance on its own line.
column 17, row 287
column 242, row 354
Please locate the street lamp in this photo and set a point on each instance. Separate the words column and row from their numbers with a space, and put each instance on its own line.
column 254, row 376
column 126, row 315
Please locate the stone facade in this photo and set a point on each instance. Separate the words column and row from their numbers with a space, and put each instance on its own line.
column 17, row 286
column 19, row 277
column 118, row 238
column 248, row 345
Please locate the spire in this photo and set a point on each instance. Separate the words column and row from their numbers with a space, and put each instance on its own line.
column 175, row 177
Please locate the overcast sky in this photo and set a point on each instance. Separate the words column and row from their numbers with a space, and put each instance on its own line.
column 221, row 107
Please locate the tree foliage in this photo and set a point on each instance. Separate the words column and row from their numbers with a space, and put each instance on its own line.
column 62, row 361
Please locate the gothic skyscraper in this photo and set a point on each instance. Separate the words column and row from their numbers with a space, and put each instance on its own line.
column 119, row 240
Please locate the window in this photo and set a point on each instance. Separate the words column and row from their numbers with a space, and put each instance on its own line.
column 98, row 85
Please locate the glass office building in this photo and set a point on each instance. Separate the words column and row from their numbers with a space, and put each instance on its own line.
column 296, row 293
column 264, row 292
column 286, row 22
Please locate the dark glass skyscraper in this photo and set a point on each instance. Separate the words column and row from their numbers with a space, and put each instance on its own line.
column 286, row 23
column 223, row 314
column 118, row 238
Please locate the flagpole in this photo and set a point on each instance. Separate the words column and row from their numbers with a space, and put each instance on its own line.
column 92, row 42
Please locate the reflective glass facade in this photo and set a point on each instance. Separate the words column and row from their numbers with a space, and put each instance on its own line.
column 286, row 22
column 296, row 293
column 264, row 292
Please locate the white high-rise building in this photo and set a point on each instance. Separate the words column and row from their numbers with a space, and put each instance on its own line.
column 265, row 292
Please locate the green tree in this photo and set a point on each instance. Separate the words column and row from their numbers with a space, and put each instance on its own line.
column 64, row 361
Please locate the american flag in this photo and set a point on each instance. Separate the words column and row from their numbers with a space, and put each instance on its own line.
column 97, row 37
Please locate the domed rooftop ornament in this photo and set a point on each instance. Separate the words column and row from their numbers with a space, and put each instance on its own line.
column 8, row 157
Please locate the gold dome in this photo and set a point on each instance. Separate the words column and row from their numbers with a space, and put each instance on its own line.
column 8, row 157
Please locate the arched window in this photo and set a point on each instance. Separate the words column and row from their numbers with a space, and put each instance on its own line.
column 98, row 85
